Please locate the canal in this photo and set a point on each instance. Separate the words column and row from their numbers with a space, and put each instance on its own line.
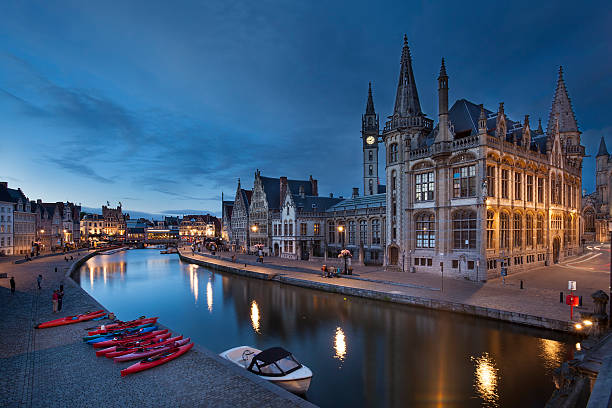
column 362, row 352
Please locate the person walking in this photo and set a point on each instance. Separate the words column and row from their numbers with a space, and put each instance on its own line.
column 12, row 284
column 39, row 281
column 55, row 299
column 60, row 298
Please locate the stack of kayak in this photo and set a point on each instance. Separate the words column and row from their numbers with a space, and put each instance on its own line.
column 138, row 339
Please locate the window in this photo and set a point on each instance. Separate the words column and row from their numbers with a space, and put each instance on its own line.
column 331, row 229
column 370, row 170
column 529, row 188
column 424, row 186
column 464, row 229
column 518, row 186
column 490, row 230
column 505, row 174
column 370, row 155
column 363, row 232
column 589, row 221
column 540, row 230
column 303, row 228
column 351, row 232
column 375, row 232
column 341, row 234
column 393, row 152
column 290, row 243
column 290, row 228
column 393, row 180
column 285, row 228
column 371, row 187
column 540, row 190
column 504, row 231
column 491, row 181
column 464, row 181
column 529, row 231
column 517, row 230
column 425, row 231
column 317, row 229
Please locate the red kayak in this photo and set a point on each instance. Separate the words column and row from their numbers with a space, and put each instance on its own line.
column 157, row 359
column 71, row 319
column 135, row 343
column 121, row 341
column 152, row 350
column 123, row 350
column 104, row 329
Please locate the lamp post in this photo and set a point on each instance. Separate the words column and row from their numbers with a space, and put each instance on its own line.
column 341, row 231
column 254, row 229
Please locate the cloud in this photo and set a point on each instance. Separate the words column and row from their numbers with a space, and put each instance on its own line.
column 71, row 165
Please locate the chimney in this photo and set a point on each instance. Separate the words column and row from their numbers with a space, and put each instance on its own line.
column 4, row 184
column 331, row 195
column 355, row 192
column 315, row 186
column 39, row 201
column 283, row 190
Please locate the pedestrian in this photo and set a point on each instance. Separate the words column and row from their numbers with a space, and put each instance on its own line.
column 12, row 284
column 39, row 281
column 71, row 257
column 60, row 298
column 56, row 269
column 55, row 299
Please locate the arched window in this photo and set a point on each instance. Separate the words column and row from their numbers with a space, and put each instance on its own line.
column 351, row 232
column 370, row 155
column 375, row 232
column 425, row 231
column 529, row 231
column 517, row 231
column 393, row 152
column 504, row 230
column 331, row 229
column 370, row 170
column 464, row 229
column 589, row 221
column 363, row 232
column 490, row 229
column 540, row 230
column 371, row 186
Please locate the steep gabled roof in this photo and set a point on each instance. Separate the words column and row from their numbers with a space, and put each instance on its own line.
column 271, row 187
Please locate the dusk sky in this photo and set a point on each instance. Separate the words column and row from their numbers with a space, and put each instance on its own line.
column 163, row 105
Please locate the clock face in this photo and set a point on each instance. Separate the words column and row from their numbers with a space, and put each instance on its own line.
column 370, row 140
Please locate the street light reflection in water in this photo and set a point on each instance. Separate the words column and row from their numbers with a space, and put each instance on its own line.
column 485, row 379
column 255, row 316
column 340, row 344
column 209, row 296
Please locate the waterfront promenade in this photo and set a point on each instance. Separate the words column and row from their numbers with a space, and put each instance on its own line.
column 537, row 304
column 53, row 367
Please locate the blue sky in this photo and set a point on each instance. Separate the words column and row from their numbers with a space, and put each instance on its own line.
column 163, row 105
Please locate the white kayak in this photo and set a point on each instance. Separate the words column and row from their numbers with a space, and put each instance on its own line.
column 275, row 364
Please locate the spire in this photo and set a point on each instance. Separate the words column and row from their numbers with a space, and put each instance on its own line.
column 603, row 150
column 407, row 99
column 370, row 105
column 482, row 120
column 444, row 133
column 540, row 130
column 562, row 108
column 442, row 70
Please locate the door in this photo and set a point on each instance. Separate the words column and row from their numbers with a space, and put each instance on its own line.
column 556, row 247
column 393, row 255
column 304, row 250
column 276, row 250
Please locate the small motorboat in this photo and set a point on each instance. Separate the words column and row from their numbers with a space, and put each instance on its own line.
column 275, row 364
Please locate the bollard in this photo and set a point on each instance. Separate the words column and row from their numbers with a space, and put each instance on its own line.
column 521, row 284
column 580, row 300
column 560, row 297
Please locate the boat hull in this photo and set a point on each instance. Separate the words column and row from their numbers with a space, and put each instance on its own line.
column 145, row 365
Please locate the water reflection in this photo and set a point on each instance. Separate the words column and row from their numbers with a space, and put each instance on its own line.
column 209, row 296
column 400, row 356
column 486, row 379
column 340, row 344
column 255, row 316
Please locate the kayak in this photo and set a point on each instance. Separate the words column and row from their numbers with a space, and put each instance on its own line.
column 132, row 344
column 103, row 329
column 121, row 336
column 118, row 342
column 148, row 351
column 157, row 359
column 123, row 350
column 71, row 319
column 118, row 332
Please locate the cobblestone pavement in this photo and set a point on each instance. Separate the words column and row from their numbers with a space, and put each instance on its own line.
column 540, row 296
column 53, row 367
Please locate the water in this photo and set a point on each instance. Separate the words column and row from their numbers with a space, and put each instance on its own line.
column 362, row 352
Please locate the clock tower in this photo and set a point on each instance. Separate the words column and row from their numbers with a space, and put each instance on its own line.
column 369, row 136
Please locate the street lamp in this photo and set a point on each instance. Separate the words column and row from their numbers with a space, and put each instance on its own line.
column 341, row 231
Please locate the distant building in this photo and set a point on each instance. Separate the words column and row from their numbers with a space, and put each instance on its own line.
column 59, row 226
column 226, row 219
column 240, row 219
column 596, row 206
column 298, row 229
column 92, row 228
column 6, row 220
column 114, row 223
column 197, row 227
column 268, row 197
column 24, row 223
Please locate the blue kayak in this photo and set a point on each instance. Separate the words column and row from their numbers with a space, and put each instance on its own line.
column 110, row 336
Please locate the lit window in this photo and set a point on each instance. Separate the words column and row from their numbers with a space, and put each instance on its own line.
column 425, row 231
column 464, row 181
column 424, row 186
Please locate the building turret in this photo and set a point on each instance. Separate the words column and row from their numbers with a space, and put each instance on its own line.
column 444, row 134
column 601, row 170
column 407, row 98
column 526, row 137
column 500, row 128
